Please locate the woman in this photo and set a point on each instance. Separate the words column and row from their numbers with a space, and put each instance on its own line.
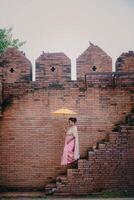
column 71, row 146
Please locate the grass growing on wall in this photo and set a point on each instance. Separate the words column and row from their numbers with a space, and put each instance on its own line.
column 6, row 103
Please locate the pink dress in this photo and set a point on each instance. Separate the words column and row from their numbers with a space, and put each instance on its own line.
column 71, row 146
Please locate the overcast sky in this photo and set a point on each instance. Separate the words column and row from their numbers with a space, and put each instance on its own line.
column 68, row 25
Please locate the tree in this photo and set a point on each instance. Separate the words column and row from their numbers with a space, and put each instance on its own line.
column 7, row 40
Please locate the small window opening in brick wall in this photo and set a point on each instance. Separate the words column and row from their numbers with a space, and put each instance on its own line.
column 94, row 68
column 12, row 70
column 52, row 69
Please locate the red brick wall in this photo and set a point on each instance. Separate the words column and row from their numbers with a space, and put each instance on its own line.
column 15, row 67
column 109, row 168
column 53, row 67
column 32, row 138
column 0, row 99
column 93, row 56
column 125, row 62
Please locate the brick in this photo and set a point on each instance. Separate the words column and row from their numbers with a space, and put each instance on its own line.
column 32, row 139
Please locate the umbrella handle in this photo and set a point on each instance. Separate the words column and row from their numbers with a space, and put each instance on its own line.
column 65, row 129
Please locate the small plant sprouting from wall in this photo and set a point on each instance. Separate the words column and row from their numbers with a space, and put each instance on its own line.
column 116, row 127
column 6, row 103
column 132, row 110
column 103, row 141
column 129, row 121
column 56, row 86
column 110, row 194
column 82, row 89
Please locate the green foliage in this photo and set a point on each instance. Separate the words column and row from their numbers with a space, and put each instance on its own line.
column 116, row 127
column 7, row 40
column 56, row 85
column 82, row 89
column 131, row 91
column 103, row 141
column 110, row 194
column 132, row 110
column 6, row 103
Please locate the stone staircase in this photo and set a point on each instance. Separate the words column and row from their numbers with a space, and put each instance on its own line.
column 109, row 164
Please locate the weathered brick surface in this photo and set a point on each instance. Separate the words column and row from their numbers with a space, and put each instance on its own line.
column 108, row 167
column 53, row 67
column 0, row 98
column 14, row 67
column 32, row 138
column 92, row 57
column 125, row 62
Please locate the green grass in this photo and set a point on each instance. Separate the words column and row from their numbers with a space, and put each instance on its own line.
column 110, row 194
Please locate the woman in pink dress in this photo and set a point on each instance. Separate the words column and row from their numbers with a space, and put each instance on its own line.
column 71, row 146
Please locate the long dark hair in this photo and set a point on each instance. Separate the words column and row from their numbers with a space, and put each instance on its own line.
column 73, row 119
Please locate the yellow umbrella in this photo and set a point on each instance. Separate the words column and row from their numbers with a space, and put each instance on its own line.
column 64, row 111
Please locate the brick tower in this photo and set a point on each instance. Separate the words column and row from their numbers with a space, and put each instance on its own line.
column 53, row 67
column 93, row 59
column 125, row 62
column 14, row 67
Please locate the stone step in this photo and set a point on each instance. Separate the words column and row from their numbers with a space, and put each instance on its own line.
column 51, row 191
column 113, row 132
column 101, row 145
column 82, row 163
column 124, row 127
column 62, row 179
column 50, row 185
column 96, row 150
column 70, row 172
column 91, row 154
column 94, row 147
column 22, row 194
column 90, row 149
column 130, row 115
column 113, row 137
column 130, row 131
column 73, row 165
column 50, row 188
